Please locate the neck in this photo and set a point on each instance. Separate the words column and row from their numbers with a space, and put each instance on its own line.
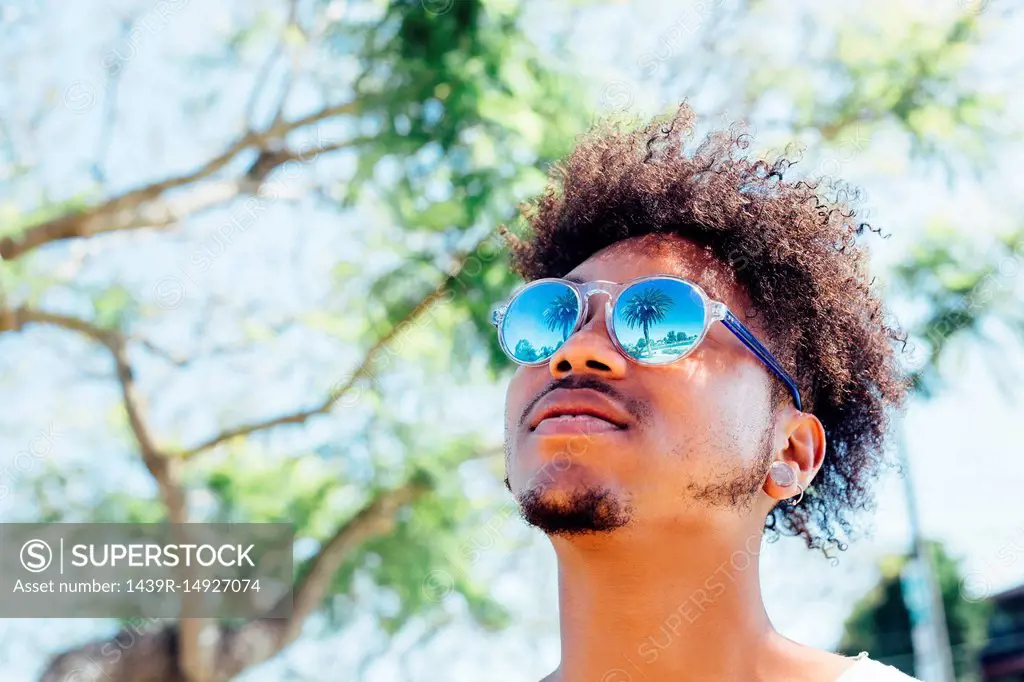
column 656, row 606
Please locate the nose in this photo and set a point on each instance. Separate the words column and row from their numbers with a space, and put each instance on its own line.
column 589, row 351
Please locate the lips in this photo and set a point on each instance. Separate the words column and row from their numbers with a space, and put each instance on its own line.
column 574, row 410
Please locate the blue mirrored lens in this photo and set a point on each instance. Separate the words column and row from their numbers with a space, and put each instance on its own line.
column 539, row 320
column 658, row 320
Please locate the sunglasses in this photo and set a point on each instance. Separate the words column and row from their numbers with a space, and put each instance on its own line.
column 651, row 320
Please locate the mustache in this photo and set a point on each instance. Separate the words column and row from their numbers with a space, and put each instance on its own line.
column 636, row 408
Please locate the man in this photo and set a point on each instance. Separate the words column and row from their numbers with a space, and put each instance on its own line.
column 702, row 360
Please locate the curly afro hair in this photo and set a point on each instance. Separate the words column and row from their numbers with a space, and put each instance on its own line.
column 791, row 244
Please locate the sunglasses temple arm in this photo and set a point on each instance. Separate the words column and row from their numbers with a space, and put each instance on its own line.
column 733, row 324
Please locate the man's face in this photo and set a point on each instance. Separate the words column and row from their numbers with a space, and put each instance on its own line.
column 688, row 437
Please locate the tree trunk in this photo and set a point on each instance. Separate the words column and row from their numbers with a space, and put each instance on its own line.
column 151, row 654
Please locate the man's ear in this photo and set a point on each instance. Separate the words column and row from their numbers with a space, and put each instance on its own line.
column 805, row 443
column 803, row 451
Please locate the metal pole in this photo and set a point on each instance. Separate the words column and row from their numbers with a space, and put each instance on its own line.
column 933, row 656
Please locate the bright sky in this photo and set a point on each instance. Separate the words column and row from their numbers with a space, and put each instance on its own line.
column 965, row 448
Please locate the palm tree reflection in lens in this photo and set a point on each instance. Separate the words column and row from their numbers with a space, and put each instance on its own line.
column 644, row 309
column 560, row 314
column 539, row 321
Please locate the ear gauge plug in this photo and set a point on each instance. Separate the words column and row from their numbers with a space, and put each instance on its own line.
column 782, row 474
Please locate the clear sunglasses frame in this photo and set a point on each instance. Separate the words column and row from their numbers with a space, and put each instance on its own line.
column 714, row 311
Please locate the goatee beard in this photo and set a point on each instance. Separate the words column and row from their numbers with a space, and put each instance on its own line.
column 581, row 513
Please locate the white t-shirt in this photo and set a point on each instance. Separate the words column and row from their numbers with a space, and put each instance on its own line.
column 868, row 670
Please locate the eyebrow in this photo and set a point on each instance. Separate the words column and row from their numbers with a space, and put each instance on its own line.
column 575, row 278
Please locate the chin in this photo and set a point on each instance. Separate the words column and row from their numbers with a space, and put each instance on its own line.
column 567, row 510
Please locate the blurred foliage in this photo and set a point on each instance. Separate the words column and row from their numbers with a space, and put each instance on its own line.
column 880, row 622
column 873, row 67
column 455, row 115
column 963, row 290
column 915, row 80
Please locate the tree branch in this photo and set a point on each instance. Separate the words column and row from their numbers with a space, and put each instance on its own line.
column 164, row 469
column 362, row 369
column 373, row 520
column 268, row 64
column 109, row 120
column 139, row 207
column 162, row 353
column 235, row 649
column 293, row 67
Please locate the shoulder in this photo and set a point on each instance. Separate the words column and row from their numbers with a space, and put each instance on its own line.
column 869, row 670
